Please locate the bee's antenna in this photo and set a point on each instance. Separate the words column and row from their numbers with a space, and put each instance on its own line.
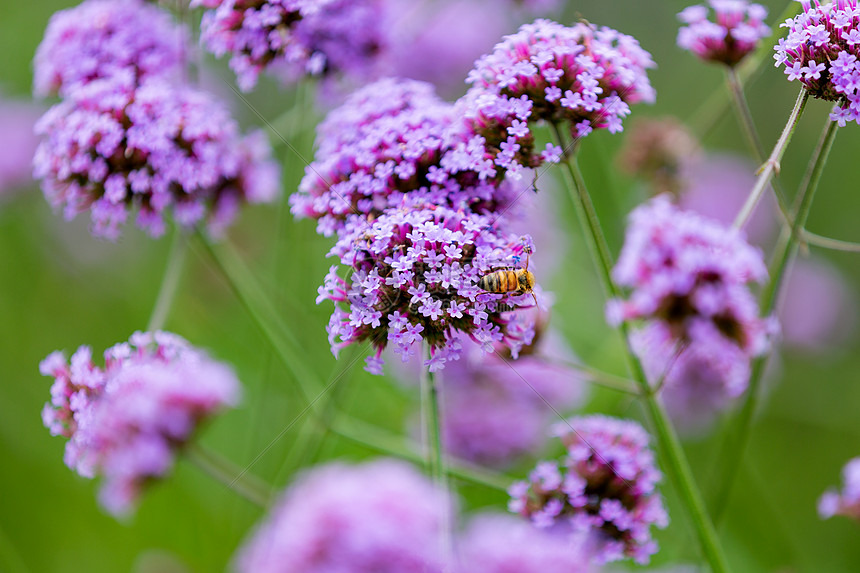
column 536, row 302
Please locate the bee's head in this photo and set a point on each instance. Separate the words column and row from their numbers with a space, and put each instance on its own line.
column 527, row 281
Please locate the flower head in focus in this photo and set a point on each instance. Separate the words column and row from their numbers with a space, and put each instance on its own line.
column 114, row 146
column 846, row 502
column 126, row 421
column 387, row 140
column 414, row 278
column 379, row 517
column 503, row 544
column 581, row 76
column 101, row 38
column 821, row 51
column 738, row 28
column 294, row 38
column 690, row 274
column 603, row 492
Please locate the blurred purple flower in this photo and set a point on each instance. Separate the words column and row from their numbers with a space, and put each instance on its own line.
column 818, row 309
column 294, row 38
column 846, row 502
column 503, row 544
column 379, row 517
column 603, row 492
column 125, row 422
column 414, row 278
column 659, row 150
column 582, row 75
column 101, row 38
column 388, row 139
column 19, row 143
column 699, row 380
column 821, row 51
column 716, row 185
column 738, row 28
column 690, row 274
column 113, row 146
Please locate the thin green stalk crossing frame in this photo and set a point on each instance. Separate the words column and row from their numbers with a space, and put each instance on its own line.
column 222, row 470
column 677, row 465
column 735, row 445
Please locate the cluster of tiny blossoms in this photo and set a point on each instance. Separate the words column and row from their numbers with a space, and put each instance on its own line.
column 113, row 146
column 821, row 51
column 602, row 494
column 737, row 31
column 391, row 137
column 380, row 517
column 294, row 38
column 414, row 276
column 101, row 38
column 581, row 76
column 847, row 502
column 125, row 421
column 690, row 274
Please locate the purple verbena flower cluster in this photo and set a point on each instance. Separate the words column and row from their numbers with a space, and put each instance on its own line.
column 294, row 38
column 113, row 146
column 127, row 420
column 738, row 28
column 390, row 138
column 846, row 502
column 582, row 76
column 379, row 517
column 602, row 493
column 698, row 381
column 102, row 38
column 414, row 276
column 690, row 274
column 503, row 544
column 821, row 51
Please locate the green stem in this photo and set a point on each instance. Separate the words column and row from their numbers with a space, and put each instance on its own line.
column 435, row 455
column 676, row 461
column 170, row 281
column 817, row 240
column 748, row 127
column 735, row 446
column 771, row 166
column 222, row 470
column 597, row 377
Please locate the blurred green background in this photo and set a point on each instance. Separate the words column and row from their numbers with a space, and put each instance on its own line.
column 60, row 288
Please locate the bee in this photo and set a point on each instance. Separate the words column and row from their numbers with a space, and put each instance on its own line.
column 512, row 280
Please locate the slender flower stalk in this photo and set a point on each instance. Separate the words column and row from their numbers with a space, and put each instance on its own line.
column 435, row 458
column 786, row 249
column 677, row 464
column 224, row 471
column 170, row 281
column 748, row 127
column 771, row 166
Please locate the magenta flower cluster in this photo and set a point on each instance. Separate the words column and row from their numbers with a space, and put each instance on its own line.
column 112, row 147
column 846, row 502
column 104, row 38
column 126, row 138
column 821, row 51
column 294, row 38
column 602, row 494
column 690, row 275
column 581, row 76
column 415, row 271
column 737, row 30
column 380, row 517
column 390, row 138
column 127, row 421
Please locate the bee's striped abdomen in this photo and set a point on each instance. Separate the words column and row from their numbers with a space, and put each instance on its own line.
column 499, row 282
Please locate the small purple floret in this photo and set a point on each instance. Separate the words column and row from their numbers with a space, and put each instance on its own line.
column 738, row 28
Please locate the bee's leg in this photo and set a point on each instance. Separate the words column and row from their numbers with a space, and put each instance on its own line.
column 535, row 297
